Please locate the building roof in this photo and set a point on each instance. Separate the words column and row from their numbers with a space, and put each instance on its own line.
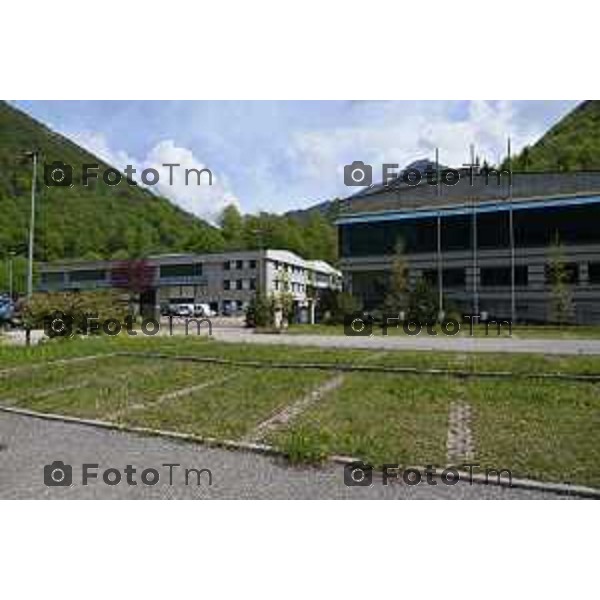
column 163, row 259
column 526, row 187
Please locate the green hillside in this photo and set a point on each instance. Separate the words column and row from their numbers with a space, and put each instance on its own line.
column 83, row 222
column 572, row 144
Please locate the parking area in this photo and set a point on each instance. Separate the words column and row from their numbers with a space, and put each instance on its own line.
column 310, row 404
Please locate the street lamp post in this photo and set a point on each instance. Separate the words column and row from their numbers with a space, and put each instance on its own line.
column 34, row 156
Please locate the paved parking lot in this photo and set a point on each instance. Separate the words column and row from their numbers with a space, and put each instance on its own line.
column 27, row 444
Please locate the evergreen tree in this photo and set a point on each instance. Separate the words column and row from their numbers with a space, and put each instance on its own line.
column 232, row 227
column 561, row 300
column 423, row 302
column 396, row 299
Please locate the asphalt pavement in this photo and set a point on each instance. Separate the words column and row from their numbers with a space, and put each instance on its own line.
column 236, row 334
column 28, row 444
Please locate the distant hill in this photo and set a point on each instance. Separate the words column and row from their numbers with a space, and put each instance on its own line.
column 98, row 221
column 572, row 144
column 330, row 209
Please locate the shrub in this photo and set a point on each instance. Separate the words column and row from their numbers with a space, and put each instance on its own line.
column 103, row 305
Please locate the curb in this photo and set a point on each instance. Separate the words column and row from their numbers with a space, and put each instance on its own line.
column 362, row 368
column 176, row 435
column 565, row 489
column 265, row 449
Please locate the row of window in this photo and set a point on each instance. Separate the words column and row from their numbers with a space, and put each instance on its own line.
column 229, row 265
column 285, row 286
column 287, row 268
column 488, row 276
column 238, row 284
column 186, row 270
column 501, row 276
column 533, row 228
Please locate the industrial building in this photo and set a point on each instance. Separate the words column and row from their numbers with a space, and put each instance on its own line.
column 486, row 241
column 225, row 281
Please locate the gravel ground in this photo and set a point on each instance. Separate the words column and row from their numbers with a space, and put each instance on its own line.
column 28, row 443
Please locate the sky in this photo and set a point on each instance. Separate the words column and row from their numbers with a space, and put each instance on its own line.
column 285, row 155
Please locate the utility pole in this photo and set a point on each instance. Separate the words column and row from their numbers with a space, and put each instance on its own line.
column 513, row 305
column 474, row 231
column 440, row 277
column 34, row 156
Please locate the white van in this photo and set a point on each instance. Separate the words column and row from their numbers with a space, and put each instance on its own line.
column 181, row 307
column 203, row 310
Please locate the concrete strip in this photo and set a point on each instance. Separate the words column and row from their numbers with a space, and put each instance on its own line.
column 292, row 411
column 459, row 443
column 170, row 396
column 366, row 368
column 59, row 361
column 516, row 482
column 194, row 388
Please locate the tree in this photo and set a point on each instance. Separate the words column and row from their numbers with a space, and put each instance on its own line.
column 135, row 276
column 561, row 300
column 232, row 227
column 423, row 302
column 396, row 299
column 260, row 311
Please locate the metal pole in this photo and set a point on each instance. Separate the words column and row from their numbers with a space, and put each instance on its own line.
column 440, row 277
column 440, row 271
column 31, row 229
column 474, row 228
column 513, row 305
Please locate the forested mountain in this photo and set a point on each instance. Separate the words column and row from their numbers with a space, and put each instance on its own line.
column 572, row 144
column 79, row 222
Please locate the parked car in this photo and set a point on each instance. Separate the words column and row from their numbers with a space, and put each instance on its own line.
column 7, row 309
column 10, row 312
column 181, row 307
column 203, row 310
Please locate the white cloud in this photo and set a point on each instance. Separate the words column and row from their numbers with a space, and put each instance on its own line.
column 204, row 200
column 400, row 136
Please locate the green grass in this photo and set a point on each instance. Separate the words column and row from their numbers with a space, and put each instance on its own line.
column 109, row 386
column 232, row 409
column 378, row 418
column 548, row 431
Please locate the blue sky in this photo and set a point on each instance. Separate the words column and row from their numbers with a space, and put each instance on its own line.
column 283, row 155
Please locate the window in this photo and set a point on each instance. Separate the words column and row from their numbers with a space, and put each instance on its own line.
column 238, row 284
column 253, row 284
column 226, row 266
column 239, row 264
column 88, row 275
column 187, row 270
column 226, row 284
column 501, row 276
column 594, row 272
column 455, row 277
column 252, row 264
column 50, row 278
